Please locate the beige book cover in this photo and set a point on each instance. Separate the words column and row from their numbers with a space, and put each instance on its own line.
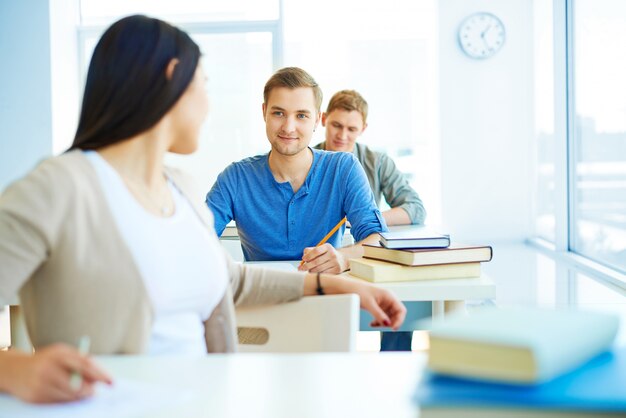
column 519, row 345
column 380, row 271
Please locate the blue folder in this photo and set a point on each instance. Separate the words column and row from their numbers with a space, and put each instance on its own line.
column 598, row 385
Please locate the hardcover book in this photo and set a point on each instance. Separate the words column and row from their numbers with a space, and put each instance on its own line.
column 418, row 237
column 518, row 345
column 455, row 253
column 380, row 271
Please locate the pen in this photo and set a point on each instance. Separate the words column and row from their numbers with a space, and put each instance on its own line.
column 76, row 380
column 330, row 234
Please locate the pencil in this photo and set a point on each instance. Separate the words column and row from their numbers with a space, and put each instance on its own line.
column 76, row 380
column 330, row 234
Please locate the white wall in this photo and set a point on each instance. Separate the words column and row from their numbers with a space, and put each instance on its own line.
column 486, row 126
column 485, row 106
column 66, row 87
column 25, row 87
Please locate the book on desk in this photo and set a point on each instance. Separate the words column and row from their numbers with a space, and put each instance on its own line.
column 455, row 253
column 523, row 345
column 420, row 255
column 416, row 237
column 596, row 389
column 380, row 272
column 519, row 362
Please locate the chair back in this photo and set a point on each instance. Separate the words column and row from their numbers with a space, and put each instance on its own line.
column 312, row 324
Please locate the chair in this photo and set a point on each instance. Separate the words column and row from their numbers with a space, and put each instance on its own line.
column 312, row 324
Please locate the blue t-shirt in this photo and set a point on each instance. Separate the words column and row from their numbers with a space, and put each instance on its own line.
column 276, row 224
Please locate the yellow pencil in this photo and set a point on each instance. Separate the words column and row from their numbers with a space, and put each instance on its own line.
column 330, row 234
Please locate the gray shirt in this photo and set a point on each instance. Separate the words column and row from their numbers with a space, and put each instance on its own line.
column 386, row 180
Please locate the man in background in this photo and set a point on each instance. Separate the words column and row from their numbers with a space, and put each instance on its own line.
column 345, row 120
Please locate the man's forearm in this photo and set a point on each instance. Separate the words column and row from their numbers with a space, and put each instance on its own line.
column 396, row 216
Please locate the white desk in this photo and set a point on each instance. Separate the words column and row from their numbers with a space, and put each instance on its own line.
column 275, row 386
column 450, row 293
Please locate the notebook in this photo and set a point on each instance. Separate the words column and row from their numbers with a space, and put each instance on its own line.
column 597, row 386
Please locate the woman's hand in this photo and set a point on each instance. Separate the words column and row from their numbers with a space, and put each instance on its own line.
column 384, row 306
column 44, row 377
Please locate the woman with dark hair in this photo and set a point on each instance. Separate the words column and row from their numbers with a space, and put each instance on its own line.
column 105, row 241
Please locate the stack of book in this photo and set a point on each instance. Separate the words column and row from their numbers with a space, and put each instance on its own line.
column 519, row 362
column 418, row 254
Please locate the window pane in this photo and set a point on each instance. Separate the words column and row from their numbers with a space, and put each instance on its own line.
column 389, row 55
column 105, row 12
column 599, row 137
column 544, row 119
column 237, row 66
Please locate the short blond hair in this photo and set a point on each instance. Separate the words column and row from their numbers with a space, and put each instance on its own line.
column 348, row 100
column 293, row 78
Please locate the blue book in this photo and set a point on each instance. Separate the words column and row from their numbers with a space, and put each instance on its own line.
column 598, row 386
column 414, row 237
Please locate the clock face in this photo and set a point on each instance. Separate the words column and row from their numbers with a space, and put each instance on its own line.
column 481, row 35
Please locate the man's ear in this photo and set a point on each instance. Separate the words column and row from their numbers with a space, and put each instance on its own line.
column 317, row 120
column 364, row 128
column 324, row 116
column 171, row 66
column 263, row 108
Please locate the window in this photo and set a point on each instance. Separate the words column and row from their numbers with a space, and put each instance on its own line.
column 238, row 57
column 544, row 120
column 580, row 203
column 389, row 54
column 98, row 12
column 598, row 139
column 390, row 60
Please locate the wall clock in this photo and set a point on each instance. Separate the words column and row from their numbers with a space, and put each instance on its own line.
column 481, row 35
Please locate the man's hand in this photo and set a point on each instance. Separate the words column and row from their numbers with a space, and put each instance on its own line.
column 323, row 259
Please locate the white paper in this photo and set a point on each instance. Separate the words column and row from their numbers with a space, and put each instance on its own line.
column 124, row 399
column 276, row 265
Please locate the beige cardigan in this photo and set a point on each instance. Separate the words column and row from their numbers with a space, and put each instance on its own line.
column 60, row 247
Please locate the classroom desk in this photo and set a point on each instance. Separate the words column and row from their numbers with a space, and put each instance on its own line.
column 281, row 385
column 446, row 295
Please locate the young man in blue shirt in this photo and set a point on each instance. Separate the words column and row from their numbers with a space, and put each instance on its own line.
column 286, row 201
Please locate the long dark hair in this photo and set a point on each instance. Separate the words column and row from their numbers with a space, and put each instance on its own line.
column 127, row 91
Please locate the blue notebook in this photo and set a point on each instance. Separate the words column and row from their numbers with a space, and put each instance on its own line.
column 598, row 385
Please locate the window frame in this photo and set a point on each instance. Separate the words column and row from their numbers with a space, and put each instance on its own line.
column 274, row 27
column 565, row 156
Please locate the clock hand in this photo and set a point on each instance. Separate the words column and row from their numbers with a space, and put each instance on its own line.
column 482, row 34
column 482, row 37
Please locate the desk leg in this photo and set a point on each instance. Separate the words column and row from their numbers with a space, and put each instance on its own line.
column 442, row 308
column 438, row 310
column 454, row 306
column 19, row 335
